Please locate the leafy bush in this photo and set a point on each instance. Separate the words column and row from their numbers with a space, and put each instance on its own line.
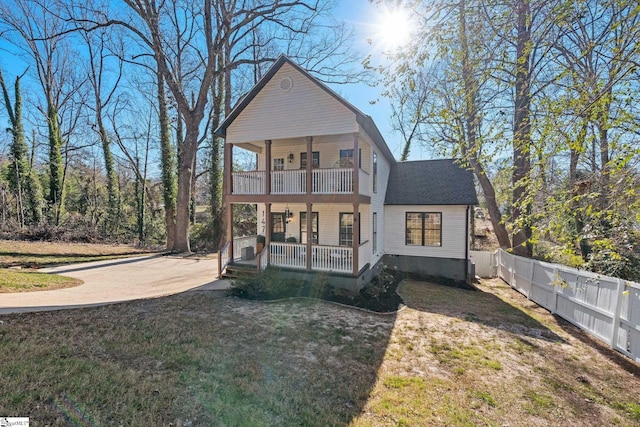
column 268, row 284
column 205, row 237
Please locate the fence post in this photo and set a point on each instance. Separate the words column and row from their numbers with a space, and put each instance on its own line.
column 513, row 272
column 616, row 315
column 533, row 265
column 556, row 286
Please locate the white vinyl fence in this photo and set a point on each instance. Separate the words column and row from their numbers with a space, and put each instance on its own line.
column 486, row 263
column 607, row 307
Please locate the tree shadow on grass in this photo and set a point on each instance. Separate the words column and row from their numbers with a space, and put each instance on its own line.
column 473, row 306
column 196, row 358
column 600, row 346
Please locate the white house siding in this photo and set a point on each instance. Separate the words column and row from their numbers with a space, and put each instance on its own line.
column 453, row 231
column 304, row 110
column 377, row 203
column 328, row 146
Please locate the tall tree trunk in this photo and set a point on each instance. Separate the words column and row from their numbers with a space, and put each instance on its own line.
column 186, row 154
column 522, row 132
column 56, row 167
column 22, row 178
column 471, row 129
column 168, row 165
column 113, row 198
column 215, row 176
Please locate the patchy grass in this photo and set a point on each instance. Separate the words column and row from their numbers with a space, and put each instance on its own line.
column 451, row 358
column 14, row 253
column 18, row 281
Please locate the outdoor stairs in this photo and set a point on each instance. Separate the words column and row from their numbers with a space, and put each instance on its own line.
column 235, row 271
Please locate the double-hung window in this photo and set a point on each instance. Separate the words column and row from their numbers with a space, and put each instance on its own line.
column 346, row 158
column 346, row 228
column 423, row 229
column 315, row 162
column 303, row 227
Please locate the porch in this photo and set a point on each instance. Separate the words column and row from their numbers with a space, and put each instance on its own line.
column 326, row 258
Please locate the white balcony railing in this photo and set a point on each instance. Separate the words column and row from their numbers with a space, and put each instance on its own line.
column 289, row 182
column 248, row 182
column 333, row 181
column 324, row 181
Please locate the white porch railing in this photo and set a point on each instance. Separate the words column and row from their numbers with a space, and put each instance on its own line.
column 224, row 258
column 248, row 182
column 240, row 243
column 364, row 254
column 289, row 182
column 291, row 255
column 333, row 181
column 263, row 259
column 332, row 258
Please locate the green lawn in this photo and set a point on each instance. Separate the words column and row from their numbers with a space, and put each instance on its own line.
column 451, row 358
column 34, row 255
column 18, row 281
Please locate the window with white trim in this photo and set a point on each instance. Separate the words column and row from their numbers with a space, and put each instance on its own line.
column 374, row 233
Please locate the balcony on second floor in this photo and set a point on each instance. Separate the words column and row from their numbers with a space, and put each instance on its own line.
column 323, row 181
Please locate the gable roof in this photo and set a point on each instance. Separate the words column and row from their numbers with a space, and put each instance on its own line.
column 430, row 182
column 365, row 121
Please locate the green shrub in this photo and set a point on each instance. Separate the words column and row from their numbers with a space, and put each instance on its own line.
column 267, row 284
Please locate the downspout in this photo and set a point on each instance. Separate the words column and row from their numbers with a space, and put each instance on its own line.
column 466, row 248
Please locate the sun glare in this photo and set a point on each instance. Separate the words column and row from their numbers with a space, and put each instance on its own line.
column 394, row 28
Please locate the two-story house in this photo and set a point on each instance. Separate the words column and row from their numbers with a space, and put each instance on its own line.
column 330, row 196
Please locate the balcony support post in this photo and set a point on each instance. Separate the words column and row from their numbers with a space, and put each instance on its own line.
column 309, row 182
column 356, row 166
column 228, row 169
column 267, row 166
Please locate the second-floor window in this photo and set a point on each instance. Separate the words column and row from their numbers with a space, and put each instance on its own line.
column 346, row 158
column 278, row 164
column 315, row 163
column 375, row 172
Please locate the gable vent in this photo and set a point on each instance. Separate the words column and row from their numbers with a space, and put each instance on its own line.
column 286, row 84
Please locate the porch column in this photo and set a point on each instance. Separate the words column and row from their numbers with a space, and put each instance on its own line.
column 356, row 166
column 356, row 236
column 229, row 220
column 267, row 159
column 267, row 229
column 309, row 182
column 309, row 234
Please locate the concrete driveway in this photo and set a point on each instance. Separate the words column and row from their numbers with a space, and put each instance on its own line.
column 119, row 280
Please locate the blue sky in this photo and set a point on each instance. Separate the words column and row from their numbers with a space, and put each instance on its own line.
column 361, row 15
column 364, row 17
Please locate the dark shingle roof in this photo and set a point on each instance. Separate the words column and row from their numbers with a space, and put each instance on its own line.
column 430, row 182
